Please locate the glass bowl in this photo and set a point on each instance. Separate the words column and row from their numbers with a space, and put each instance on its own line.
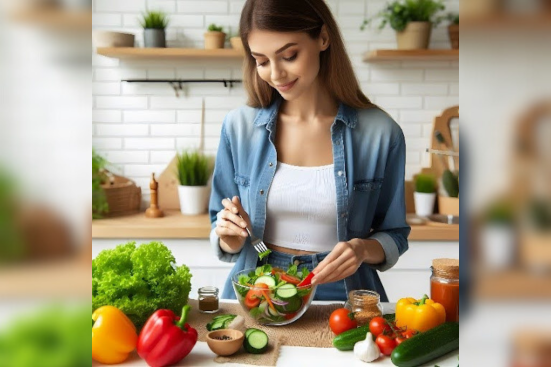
column 275, row 307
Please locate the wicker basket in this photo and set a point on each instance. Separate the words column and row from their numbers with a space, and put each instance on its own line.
column 123, row 196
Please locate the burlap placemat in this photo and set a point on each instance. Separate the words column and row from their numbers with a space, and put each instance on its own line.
column 311, row 330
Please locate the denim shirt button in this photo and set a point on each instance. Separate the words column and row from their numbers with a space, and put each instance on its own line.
column 340, row 173
column 344, row 215
column 270, row 164
column 261, row 192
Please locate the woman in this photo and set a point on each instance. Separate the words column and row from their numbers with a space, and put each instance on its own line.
column 312, row 166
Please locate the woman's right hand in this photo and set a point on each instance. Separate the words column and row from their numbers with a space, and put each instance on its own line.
column 230, row 227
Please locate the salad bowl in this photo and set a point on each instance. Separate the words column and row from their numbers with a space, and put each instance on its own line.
column 273, row 296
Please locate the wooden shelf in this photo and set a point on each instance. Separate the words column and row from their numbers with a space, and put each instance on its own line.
column 507, row 21
column 149, row 53
column 56, row 279
column 412, row 55
column 512, row 284
column 176, row 225
column 54, row 18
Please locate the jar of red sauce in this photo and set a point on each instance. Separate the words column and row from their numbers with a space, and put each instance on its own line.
column 444, row 286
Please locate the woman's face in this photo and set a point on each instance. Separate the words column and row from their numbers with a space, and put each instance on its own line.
column 289, row 62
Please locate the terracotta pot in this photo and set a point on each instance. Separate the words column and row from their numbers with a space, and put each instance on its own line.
column 448, row 205
column 535, row 250
column 236, row 43
column 415, row 36
column 112, row 39
column 214, row 40
column 453, row 31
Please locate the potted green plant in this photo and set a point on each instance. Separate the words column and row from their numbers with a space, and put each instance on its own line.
column 154, row 24
column 453, row 29
column 99, row 200
column 194, row 170
column 425, row 194
column 412, row 20
column 214, row 37
column 498, row 237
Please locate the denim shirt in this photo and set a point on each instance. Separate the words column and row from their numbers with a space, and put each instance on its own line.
column 369, row 163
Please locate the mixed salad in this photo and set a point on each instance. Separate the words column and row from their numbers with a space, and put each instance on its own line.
column 272, row 294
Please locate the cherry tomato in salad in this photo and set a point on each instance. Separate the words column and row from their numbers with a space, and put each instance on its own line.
column 378, row 326
column 290, row 279
column 289, row 316
column 386, row 344
column 399, row 340
column 252, row 299
column 341, row 320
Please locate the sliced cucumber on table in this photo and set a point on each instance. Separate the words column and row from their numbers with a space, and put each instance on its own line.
column 286, row 291
column 256, row 341
column 266, row 279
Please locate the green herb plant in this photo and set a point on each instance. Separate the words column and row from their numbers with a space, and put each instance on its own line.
column 139, row 280
column 99, row 201
column 453, row 18
column 214, row 28
column 154, row 20
column 194, row 169
column 399, row 13
column 425, row 183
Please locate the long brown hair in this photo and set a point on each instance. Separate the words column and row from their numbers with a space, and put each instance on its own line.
column 299, row 16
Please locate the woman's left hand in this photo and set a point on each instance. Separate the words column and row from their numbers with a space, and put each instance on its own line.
column 342, row 262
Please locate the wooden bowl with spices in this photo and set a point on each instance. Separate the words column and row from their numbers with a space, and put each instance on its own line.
column 225, row 342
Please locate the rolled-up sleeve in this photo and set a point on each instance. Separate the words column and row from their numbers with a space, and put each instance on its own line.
column 389, row 224
column 223, row 186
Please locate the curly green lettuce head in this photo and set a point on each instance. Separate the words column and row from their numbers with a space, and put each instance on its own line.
column 139, row 280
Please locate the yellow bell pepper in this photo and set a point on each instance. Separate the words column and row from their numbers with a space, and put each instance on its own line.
column 114, row 336
column 420, row 315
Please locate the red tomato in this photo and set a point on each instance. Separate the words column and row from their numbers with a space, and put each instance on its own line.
column 289, row 316
column 341, row 320
column 386, row 344
column 399, row 340
column 290, row 279
column 252, row 299
column 378, row 326
column 409, row 333
column 277, row 270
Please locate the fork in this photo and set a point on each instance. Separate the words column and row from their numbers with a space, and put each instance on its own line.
column 257, row 243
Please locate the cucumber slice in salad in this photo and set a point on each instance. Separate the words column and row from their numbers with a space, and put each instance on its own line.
column 293, row 305
column 256, row 342
column 266, row 279
column 286, row 291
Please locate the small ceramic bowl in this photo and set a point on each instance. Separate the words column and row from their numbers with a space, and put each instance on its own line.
column 225, row 347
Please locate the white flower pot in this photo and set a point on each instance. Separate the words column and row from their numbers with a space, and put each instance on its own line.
column 497, row 246
column 194, row 200
column 424, row 203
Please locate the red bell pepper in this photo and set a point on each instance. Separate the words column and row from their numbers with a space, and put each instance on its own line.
column 166, row 338
column 307, row 281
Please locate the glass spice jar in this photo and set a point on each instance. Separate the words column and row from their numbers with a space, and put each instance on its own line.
column 208, row 299
column 444, row 286
column 365, row 305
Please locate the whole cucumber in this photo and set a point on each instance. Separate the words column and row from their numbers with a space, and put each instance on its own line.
column 427, row 346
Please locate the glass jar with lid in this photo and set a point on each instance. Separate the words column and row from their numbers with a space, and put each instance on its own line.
column 365, row 304
column 444, row 286
column 208, row 299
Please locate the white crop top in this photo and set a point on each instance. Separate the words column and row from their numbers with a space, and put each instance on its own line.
column 301, row 208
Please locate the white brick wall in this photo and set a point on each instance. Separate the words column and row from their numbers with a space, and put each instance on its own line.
column 139, row 127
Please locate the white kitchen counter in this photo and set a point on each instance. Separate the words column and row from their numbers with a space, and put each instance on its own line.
column 201, row 355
